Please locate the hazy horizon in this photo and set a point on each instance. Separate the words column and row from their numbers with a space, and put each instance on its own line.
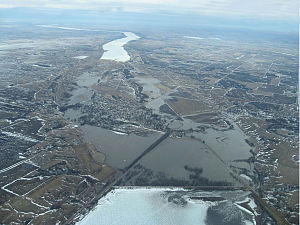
column 256, row 15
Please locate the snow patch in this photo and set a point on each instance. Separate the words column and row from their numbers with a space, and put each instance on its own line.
column 20, row 136
column 246, row 177
column 119, row 133
column 80, row 57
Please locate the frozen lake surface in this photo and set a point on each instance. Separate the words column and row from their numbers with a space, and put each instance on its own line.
column 114, row 50
column 143, row 206
column 165, row 206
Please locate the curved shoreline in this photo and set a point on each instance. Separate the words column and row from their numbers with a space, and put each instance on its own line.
column 114, row 50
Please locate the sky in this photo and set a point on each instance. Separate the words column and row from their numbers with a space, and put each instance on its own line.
column 271, row 15
column 264, row 9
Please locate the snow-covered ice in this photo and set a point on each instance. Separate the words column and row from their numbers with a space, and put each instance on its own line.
column 144, row 206
column 164, row 206
column 114, row 50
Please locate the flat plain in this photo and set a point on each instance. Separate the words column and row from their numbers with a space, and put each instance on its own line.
column 72, row 124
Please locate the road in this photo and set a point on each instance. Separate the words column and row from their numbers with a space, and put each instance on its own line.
column 278, row 217
column 109, row 187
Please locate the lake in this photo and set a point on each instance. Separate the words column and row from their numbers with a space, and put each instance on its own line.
column 114, row 50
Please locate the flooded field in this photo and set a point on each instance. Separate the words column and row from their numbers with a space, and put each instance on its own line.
column 231, row 147
column 87, row 79
column 73, row 114
column 213, row 150
column 120, row 149
column 81, row 95
column 229, row 144
column 157, row 96
column 173, row 155
column 174, row 206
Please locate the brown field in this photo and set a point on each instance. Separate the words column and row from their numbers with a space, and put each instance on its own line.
column 20, row 204
column 84, row 155
column 105, row 173
column 50, row 164
column 212, row 80
column 93, row 161
column 283, row 132
column 163, row 87
column 294, row 199
column 287, row 168
column 284, row 151
column 271, row 88
column 218, row 92
column 204, row 118
column 110, row 91
column 48, row 218
column 24, row 205
column 22, row 187
column 275, row 81
column 265, row 93
column 252, row 85
column 4, row 114
column 51, row 184
column 183, row 106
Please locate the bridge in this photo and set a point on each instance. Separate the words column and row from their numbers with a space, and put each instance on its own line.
column 277, row 216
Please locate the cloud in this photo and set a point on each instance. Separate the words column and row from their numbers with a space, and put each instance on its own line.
column 280, row 9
